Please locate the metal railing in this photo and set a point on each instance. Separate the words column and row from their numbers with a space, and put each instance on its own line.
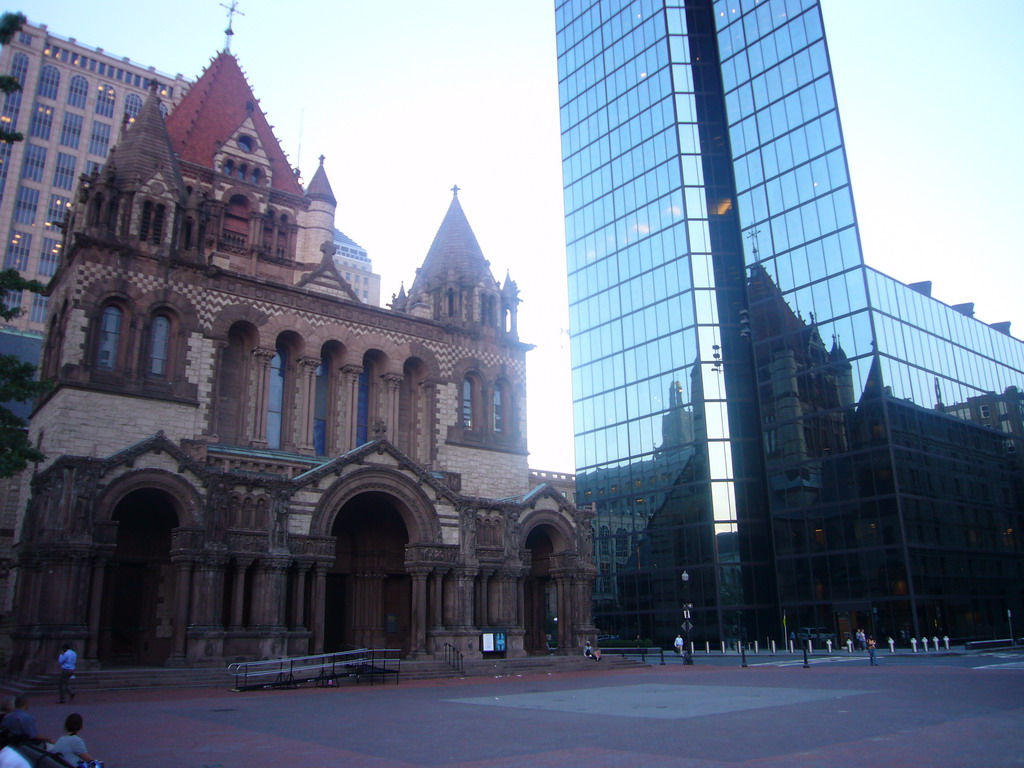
column 453, row 658
column 322, row 669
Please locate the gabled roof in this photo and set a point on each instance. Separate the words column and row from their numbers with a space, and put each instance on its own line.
column 144, row 149
column 210, row 113
column 327, row 279
column 454, row 252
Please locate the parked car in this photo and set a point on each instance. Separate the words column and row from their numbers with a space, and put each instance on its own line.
column 817, row 635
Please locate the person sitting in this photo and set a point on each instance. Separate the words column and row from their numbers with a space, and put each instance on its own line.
column 70, row 746
column 20, row 724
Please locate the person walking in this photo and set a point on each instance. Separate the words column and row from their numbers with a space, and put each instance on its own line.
column 68, row 659
column 872, row 647
column 679, row 645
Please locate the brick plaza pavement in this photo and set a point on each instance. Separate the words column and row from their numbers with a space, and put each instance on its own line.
column 844, row 714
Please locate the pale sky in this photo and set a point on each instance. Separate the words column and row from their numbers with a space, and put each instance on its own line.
column 407, row 98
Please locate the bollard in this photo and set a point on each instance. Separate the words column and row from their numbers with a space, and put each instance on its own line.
column 849, row 645
column 892, row 645
column 723, row 647
column 913, row 643
column 810, row 645
column 692, row 651
column 829, row 642
column 755, row 646
column 773, row 647
column 791, row 649
column 945, row 639
column 707, row 647
column 924, row 641
column 935, row 644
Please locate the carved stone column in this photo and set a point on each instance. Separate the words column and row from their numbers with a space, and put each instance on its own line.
column 419, row 608
column 317, row 607
column 464, row 579
column 299, row 596
column 389, row 411
column 307, row 403
column 350, row 378
column 238, row 594
column 208, row 592
column 564, row 614
column 437, row 598
column 261, row 392
column 182, row 590
column 268, row 594
column 481, row 590
column 92, row 646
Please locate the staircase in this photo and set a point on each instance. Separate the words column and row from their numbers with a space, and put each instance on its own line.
column 139, row 678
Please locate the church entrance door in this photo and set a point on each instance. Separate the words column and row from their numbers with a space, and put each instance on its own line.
column 541, row 603
column 368, row 593
column 137, row 621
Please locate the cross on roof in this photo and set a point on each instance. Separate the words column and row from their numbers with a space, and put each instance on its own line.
column 232, row 10
column 455, row 190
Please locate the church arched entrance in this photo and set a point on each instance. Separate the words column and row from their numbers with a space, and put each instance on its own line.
column 137, row 618
column 368, row 593
column 540, row 614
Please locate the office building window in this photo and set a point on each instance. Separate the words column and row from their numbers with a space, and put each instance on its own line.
column 99, row 140
column 5, row 159
column 49, row 257
column 19, row 68
column 56, row 212
column 12, row 300
column 132, row 106
column 105, row 101
column 26, row 204
column 35, row 159
column 71, row 130
column 24, row 38
column 78, row 91
column 64, row 171
column 49, row 82
column 17, row 251
column 37, row 314
column 42, row 122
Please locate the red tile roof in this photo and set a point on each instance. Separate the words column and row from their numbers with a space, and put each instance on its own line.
column 211, row 112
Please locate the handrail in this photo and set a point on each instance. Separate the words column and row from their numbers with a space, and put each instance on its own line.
column 321, row 668
column 453, row 657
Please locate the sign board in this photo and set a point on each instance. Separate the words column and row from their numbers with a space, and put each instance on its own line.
column 687, row 626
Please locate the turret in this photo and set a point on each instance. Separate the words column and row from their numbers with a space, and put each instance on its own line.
column 316, row 224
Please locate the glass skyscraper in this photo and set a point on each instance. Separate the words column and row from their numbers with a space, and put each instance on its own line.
column 818, row 447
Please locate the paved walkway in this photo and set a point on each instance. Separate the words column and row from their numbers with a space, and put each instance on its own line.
column 653, row 717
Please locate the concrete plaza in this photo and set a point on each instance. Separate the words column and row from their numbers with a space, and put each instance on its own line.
column 837, row 714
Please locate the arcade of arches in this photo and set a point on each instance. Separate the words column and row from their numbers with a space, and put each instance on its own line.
column 179, row 564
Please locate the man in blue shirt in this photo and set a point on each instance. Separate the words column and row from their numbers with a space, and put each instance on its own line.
column 20, row 723
column 67, row 660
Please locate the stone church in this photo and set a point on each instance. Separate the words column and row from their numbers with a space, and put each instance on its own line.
column 244, row 460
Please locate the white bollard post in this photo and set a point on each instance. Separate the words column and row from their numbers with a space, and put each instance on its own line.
column 723, row 647
column 829, row 647
column 791, row 649
column 707, row 647
column 913, row 643
column 945, row 639
column 849, row 645
column 935, row 643
column 924, row 642
column 892, row 645
column 755, row 646
column 773, row 647
column 691, row 648
column 810, row 645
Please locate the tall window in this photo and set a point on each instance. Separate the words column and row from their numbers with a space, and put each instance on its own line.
column 99, row 140
column 78, row 91
column 38, row 312
column 64, row 171
column 320, row 406
column 159, row 346
column 498, row 417
column 35, row 159
column 105, row 101
column 57, row 211
column 12, row 101
column 71, row 130
column 49, row 82
column 49, row 257
column 17, row 251
column 110, row 338
column 132, row 105
column 42, row 122
column 275, row 397
column 26, row 204
column 467, row 403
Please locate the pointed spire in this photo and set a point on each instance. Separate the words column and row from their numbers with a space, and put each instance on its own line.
column 454, row 253
column 144, row 148
column 319, row 187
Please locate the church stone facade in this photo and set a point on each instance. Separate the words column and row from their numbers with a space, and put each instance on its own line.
column 244, row 460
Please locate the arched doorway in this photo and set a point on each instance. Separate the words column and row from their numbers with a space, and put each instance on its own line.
column 368, row 593
column 540, row 610
column 138, row 602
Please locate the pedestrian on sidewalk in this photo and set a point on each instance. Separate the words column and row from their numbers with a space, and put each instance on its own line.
column 872, row 647
column 68, row 659
column 679, row 645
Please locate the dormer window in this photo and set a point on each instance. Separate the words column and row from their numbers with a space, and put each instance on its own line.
column 246, row 142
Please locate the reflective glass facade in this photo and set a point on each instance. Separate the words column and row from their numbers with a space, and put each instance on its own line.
column 800, row 434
